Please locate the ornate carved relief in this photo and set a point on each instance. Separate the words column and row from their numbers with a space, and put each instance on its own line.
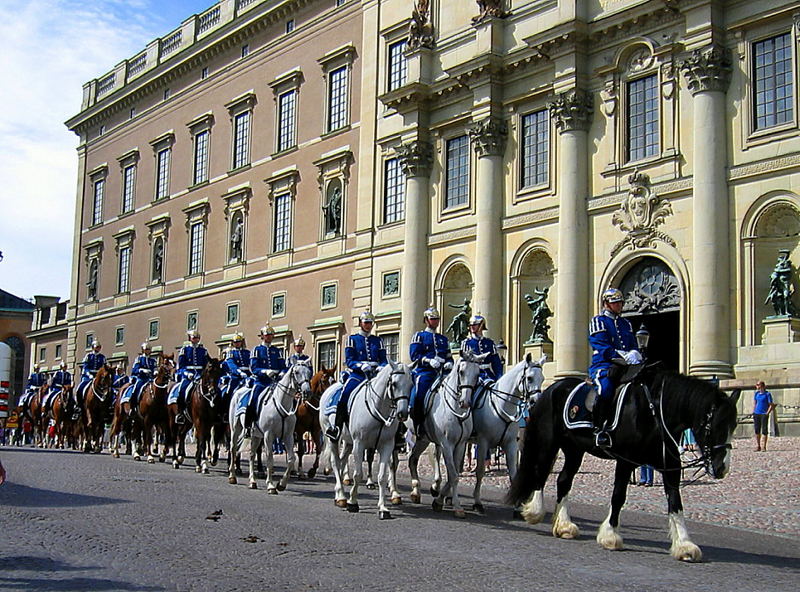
column 640, row 59
column 488, row 136
column 420, row 32
column 650, row 288
column 572, row 110
column 639, row 215
column 489, row 9
column 708, row 69
column 416, row 158
column 779, row 221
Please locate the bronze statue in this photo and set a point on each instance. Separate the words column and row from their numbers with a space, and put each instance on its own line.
column 780, row 286
column 333, row 212
column 91, row 283
column 420, row 32
column 540, row 313
column 158, row 263
column 237, row 237
column 460, row 323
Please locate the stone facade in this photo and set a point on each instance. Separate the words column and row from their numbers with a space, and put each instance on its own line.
column 565, row 145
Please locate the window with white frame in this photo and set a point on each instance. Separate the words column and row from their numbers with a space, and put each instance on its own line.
column 119, row 336
column 89, row 340
column 773, row 82
column 152, row 330
column 398, row 65
column 278, row 305
column 191, row 321
column 196, row 248
column 99, row 189
column 391, row 342
column 232, row 314
column 128, row 188
column 123, row 281
column 42, row 354
column 642, row 122
column 200, row 169
column 58, row 352
column 337, row 99
column 162, row 172
column 535, row 148
column 457, row 172
column 241, row 140
column 283, row 216
column 326, row 354
column 287, row 120
column 394, row 184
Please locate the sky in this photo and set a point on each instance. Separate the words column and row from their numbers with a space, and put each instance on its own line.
column 48, row 50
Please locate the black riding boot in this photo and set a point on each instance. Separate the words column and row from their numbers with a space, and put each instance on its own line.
column 418, row 418
column 600, row 418
column 335, row 430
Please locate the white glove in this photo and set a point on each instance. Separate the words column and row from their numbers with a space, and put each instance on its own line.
column 633, row 357
column 145, row 371
column 448, row 366
column 365, row 366
column 189, row 375
column 242, row 373
column 272, row 373
column 434, row 363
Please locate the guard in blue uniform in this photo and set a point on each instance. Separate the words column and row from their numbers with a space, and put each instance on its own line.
column 92, row 362
column 431, row 353
column 492, row 368
column 363, row 356
column 267, row 366
column 58, row 381
column 191, row 361
column 36, row 380
column 299, row 355
column 613, row 342
column 237, row 370
column 143, row 371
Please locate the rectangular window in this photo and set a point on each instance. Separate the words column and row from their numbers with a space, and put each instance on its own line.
column 391, row 341
column 287, row 120
column 89, row 340
column 166, row 94
column 97, row 205
column 191, row 321
column 326, row 354
column 457, row 188
column 398, row 65
column 289, row 26
column 391, row 284
column 394, row 189
column 58, row 352
column 43, row 354
column 232, row 315
column 328, row 296
column 124, row 270
column 162, row 173
column 337, row 99
column 535, row 148
column 196, row 248
column 642, row 118
column 278, row 305
column 119, row 336
column 774, row 84
column 200, row 174
column 241, row 140
column 245, row 50
column 204, row 73
column 128, row 185
column 152, row 332
column 282, row 222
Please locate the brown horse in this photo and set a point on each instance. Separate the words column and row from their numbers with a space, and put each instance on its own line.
column 67, row 429
column 204, row 403
column 126, row 421
column 94, row 408
column 38, row 417
column 308, row 419
column 153, row 408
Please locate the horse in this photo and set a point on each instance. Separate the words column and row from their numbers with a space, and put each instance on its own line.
column 658, row 407
column 67, row 428
column 153, row 408
column 448, row 424
column 126, row 421
column 496, row 415
column 308, row 419
column 276, row 419
column 31, row 410
column 94, row 408
column 204, row 403
column 377, row 407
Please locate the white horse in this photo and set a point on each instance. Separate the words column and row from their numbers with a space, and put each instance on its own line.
column 276, row 420
column 377, row 406
column 496, row 415
column 448, row 424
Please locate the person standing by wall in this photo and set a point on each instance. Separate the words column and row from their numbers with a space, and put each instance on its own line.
column 762, row 407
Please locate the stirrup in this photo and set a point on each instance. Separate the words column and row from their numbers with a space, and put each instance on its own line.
column 602, row 439
column 333, row 432
column 180, row 418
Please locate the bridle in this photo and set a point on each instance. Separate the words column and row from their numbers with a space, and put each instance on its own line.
column 100, row 394
column 450, row 395
column 293, row 384
column 394, row 398
column 511, row 397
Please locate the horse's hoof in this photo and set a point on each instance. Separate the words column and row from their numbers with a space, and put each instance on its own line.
column 340, row 503
column 137, row 458
column 416, row 498
column 232, row 480
column 180, row 460
column 434, row 491
column 384, row 515
column 151, row 460
column 252, row 485
column 198, row 470
column 459, row 513
column 213, row 463
column 115, row 454
column 372, row 486
column 448, row 501
column 326, row 472
column 311, row 473
column 352, row 508
column 272, row 490
column 175, row 464
column 397, row 501
column 437, row 505
column 347, row 482
column 162, row 458
column 205, row 471
column 239, row 472
column 479, row 509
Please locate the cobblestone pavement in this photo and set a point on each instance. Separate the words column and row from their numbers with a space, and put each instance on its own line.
column 71, row 521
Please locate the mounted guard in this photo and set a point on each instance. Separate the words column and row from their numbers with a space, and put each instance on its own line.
column 191, row 361
column 91, row 363
column 299, row 355
column 58, row 382
column 237, row 370
column 492, row 367
column 267, row 367
column 143, row 371
column 36, row 381
column 431, row 353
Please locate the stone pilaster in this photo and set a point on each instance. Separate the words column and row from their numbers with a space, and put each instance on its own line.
column 708, row 72
column 572, row 113
column 488, row 137
column 416, row 158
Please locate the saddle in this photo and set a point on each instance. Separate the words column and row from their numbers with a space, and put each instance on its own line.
column 578, row 416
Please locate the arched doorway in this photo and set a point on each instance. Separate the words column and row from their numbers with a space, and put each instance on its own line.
column 653, row 298
column 455, row 291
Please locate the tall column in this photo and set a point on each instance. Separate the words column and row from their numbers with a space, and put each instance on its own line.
column 572, row 112
column 416, row 158
column 488, row 137
column 708, row 73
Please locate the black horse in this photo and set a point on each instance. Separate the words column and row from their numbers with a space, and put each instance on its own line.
column 658, row 408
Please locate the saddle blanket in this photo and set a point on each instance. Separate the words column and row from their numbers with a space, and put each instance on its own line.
column 173, row 395
column 330, row 408
column 577, row 416
column 244, row 401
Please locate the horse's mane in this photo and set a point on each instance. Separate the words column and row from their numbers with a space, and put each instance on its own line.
column 694, row 395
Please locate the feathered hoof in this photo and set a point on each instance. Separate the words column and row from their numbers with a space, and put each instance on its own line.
column 232, row 480
column 459, row 513
column 565, row 531
column 479, row 509
column 688, row 552
column 272, row 491
column 434, row 491
column 181, row 459
column 340, row 503
column 281, row 487
column 397, row 501
column 205, row 471
column 416, row 498
column 347, row 482
column 151, row 460
column 372, row 486
column 437, row 505
column 384, row 515
column 251, row 485
column 353, row 508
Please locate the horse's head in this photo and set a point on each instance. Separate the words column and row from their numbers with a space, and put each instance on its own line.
column 104, row 379
column 399, row 389
column 322, row 380
column 467, row 371
column 209, row 378
column 299, row 378
column 166, row 367
column 714, row 435
column 532, row 378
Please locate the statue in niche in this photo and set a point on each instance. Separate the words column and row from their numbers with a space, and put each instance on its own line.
column 91, row 283
column 460, row 324
column 780, row 286
column 333, row 211
column 237, row 236
column 158, row 262
column 540, row 313
column 420, row 32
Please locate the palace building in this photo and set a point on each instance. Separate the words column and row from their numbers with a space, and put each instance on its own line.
column 298, row 161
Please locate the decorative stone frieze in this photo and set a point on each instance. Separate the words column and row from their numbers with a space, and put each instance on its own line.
column 708, row 69
column 572, row 110
column 488, row 136
column 640, row 214
column 416, row 158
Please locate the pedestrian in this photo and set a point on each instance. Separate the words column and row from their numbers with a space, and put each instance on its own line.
column 2, row 473
column 762, row 407
column 645, row 476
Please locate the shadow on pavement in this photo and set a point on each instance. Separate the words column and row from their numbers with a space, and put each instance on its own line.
column 31, row 563
column 22, row 496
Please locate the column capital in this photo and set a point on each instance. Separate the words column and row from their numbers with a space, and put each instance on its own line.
column 416, row 158
column 488, row 136
column 572, row 110
column 708, row 69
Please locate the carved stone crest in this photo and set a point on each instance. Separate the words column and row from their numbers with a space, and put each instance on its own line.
column 651, row 288
column 640, row 214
